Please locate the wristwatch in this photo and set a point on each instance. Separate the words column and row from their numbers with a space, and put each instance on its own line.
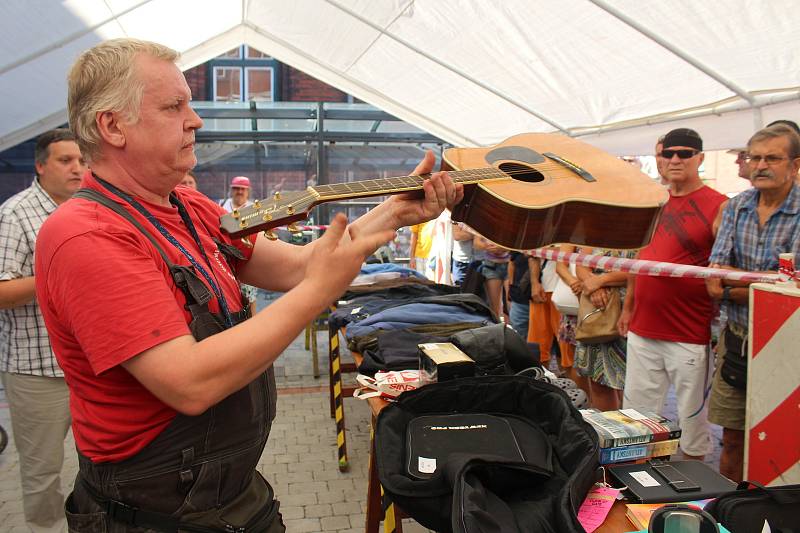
column 726, row 294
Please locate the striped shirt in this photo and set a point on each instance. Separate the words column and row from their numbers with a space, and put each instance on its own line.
column 741, row 243
column 24, row 344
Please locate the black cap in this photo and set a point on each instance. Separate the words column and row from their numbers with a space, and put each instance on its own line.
column 683, row 137
column 791, row 123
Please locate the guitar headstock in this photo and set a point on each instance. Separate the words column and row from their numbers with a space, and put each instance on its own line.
column 281, row 209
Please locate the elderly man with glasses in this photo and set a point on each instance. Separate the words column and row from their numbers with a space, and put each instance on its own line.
column 757, row 225
column 668, row 320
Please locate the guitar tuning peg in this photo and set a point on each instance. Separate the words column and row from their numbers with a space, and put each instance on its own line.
column 257, row 204
column 269, row 234
column 294, row 228
column 277, row 195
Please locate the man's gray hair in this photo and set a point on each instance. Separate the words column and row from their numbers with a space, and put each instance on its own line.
column 778, row 130
column 104, row 79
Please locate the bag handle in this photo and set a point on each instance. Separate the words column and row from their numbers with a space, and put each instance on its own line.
column 776, row 493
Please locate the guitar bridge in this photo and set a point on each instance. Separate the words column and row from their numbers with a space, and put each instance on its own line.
column 570, row 165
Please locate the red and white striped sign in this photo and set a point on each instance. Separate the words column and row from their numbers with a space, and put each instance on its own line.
column 772, row 435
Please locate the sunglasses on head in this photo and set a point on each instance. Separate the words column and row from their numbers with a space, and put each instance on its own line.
column 682, row 154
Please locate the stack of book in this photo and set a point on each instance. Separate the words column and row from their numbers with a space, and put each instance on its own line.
column 629, row 435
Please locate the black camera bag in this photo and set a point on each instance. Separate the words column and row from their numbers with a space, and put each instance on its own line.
column 538, row 491
column 745, row 510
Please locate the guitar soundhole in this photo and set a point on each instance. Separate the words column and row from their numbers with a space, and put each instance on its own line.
column 522, row 172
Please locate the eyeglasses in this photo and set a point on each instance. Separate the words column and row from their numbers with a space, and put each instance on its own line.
column 768, row 159
column 682, row 154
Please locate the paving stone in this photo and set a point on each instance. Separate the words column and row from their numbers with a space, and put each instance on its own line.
column 319, row 511
column 292, row 512
column 303, row 525
column 333, row 523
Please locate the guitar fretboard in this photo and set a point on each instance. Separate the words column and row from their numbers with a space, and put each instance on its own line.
column 401, row 183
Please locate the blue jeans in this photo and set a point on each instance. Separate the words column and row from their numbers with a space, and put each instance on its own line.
column 518, row 317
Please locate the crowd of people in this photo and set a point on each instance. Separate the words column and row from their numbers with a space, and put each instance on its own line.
column 673, row 332
column 157, row 360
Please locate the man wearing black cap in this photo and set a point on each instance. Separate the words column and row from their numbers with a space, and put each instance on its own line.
column 668, row 320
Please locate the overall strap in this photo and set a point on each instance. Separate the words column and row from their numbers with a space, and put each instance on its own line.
column 183, row 276
column 91, row 194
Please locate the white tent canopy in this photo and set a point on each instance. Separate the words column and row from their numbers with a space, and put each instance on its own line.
column 615, row 73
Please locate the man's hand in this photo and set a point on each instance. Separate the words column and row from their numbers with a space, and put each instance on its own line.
column 440, row 193
column 624, row 322
column 714, row 285
column 537, row 293
column 338, row 255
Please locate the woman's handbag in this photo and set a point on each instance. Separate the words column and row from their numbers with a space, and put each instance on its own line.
column 597, row 325
column 563, row 298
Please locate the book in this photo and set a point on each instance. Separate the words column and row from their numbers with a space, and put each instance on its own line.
column 633, row 452
column 639, row 513
column 629, row 426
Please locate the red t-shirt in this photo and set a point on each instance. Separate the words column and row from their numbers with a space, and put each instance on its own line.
column 678, row 309
column 106, row 296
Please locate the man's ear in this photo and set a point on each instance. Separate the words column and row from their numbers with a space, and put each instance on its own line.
column 108, row 124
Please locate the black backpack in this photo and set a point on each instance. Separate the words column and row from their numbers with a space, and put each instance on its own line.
column 744, row 510
column 510, row 453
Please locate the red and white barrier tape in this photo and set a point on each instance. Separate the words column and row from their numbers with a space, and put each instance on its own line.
column 651, row 268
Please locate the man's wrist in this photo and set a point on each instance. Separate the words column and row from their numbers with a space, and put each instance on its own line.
column 726, row 293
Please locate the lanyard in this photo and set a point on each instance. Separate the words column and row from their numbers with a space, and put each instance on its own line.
column 223, row 304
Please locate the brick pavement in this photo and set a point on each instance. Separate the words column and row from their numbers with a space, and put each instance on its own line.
column 300, row 459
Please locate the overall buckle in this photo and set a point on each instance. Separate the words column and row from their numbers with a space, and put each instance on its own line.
column 122, row 512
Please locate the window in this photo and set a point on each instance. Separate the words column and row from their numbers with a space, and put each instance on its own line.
column 227, row 84
column 259, row 84
column 233, row 53
column 252, row 53
column 243, row 74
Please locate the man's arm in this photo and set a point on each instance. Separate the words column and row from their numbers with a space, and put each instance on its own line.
column 627, row 306
column 17, row 292
column 191, row 376
column 537, row 291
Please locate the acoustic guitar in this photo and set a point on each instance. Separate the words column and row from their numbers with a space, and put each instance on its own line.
column 531, row 190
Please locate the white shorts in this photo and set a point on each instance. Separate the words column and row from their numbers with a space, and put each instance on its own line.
column 652, row 365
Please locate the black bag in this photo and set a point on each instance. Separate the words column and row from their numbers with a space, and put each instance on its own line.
column 474, row 491
column 744, row 510
column 734, row 362
column 497, row 349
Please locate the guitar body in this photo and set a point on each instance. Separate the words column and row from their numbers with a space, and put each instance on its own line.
column 544, row 202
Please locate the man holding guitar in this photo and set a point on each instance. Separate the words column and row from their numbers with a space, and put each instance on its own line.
column 172, row 391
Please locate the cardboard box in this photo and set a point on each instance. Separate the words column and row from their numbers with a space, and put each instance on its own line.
column 442, row 361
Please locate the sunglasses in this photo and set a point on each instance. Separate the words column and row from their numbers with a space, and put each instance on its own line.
column 682, row 154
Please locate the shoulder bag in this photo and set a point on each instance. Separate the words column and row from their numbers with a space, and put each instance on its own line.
column 597, row 325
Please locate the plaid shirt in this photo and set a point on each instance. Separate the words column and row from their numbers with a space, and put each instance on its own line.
column 742, row 244
column 24, row 344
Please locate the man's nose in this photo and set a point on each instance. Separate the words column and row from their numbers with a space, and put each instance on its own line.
column 194, row 121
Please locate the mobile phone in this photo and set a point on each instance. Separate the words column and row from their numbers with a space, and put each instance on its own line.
column 674, row 477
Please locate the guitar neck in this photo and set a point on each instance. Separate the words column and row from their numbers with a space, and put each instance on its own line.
column 291, row 206
column 401, row 184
